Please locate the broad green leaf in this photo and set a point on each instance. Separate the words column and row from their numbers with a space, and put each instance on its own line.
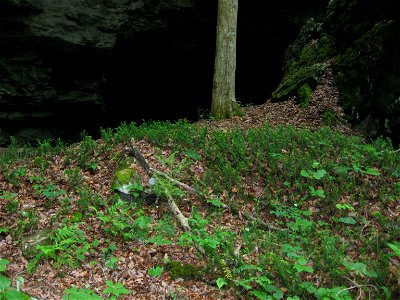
column 80, row 294
column 193, row 154
column 359, row 268
column 319, row 174
column 116, row 289
column 372, row 171
column 221, row 282
column 12, row 294
column 371, row 274
column 5, row 283
column 112, row 262
column 261, row 295
column 347, row 220
column 215, row 202
column 304, row 173
column 317, row 193
column 156, row 271
column 395, row 248
column 278, row 294
column 300, row 268
column 3, row 263
column 302, row 261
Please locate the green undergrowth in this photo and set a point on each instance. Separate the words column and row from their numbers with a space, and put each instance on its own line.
column 312, row 213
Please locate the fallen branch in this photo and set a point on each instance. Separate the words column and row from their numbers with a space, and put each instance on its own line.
column 263, row 224
column 177, row 213
column 176, row 182
column 183, row 221
column 135, row 152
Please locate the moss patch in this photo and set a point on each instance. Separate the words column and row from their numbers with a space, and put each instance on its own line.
column 305, row 68
column 182, row 270
column 304, row 95
column 291, row 84
column 123, row 178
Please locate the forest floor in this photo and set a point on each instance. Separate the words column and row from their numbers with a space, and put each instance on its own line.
column 53, row 192
column 323, row 109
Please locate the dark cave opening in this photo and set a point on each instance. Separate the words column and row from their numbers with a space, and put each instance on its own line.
column 161, row 70
column 168, row 75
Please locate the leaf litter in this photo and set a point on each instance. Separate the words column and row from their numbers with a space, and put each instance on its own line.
column 135, row 258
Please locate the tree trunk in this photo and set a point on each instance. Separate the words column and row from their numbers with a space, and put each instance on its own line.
column 223, row 97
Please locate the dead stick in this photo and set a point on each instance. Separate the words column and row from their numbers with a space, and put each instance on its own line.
column 135, row 152
column 249, row 216
column 176, row 182
column 177, row 213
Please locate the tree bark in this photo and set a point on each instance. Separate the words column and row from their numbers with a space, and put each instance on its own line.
column 224, row 103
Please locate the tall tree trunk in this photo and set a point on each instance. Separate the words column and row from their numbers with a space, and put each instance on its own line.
column 223, row 96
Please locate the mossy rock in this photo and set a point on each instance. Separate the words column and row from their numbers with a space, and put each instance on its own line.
column 368, row 77
column 182, row 270
column 289, row 86
column 304, row 95
column 29, row 244
column 308, row 32
column 123, row 178
column 305, row 62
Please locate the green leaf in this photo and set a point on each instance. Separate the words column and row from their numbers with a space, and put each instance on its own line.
column 304, row 173
column 300, row 268
column 76, row 217
column 317, row 193
column 342, row 169
column 80, row 294
column 193, row 154
column 3, row 230
column 215, row 202
column 3, row 263
column 372, row 171
column 261, row 295
column 159, row 240
column 116, row 289
column 315, row 164
column 275, row 291
column 156, row 271
column 221, row 282
column 112, row 247
column 308, row 286
column 371, row 274
column 16, row 295
column 302, row 261
column 5, row 283
column 112, row 262
column 395, row 248
column 347, row 220
column 319, row 174
column 344, row 206
column 360, row 268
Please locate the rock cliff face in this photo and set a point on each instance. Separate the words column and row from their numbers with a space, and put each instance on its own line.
column 69, row 65
column 53, row 65
column 361, row 40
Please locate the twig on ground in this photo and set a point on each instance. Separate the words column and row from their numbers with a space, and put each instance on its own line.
column 135, row 152
column 263, row 224
column 356, row 286
column 176, row 182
